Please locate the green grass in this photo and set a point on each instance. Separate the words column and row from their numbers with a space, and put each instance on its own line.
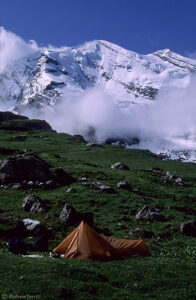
column 168, row 274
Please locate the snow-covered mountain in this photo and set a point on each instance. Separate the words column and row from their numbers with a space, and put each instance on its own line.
column 46, row 76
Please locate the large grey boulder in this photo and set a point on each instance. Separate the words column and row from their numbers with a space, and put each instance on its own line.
column 120, row 166
column 188, row 228
column 24, row 167
column 32, row 170
column 149, row 213
column 34, row 204
column 69, row 215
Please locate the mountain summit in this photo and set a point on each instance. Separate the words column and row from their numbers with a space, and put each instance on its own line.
column 49, row 75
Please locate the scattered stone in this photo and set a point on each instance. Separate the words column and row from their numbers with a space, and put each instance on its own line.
column 17, row 186
column 20, row 137
column 71, row 190
column 124, row 185
column 188, row 228
column 57, row 155
column 98, row 185
column 120, row 166
column 168, row 177
column 49, row 185
column 149, row 213
column 94, row 145
column 34, row 204
column 142, row 233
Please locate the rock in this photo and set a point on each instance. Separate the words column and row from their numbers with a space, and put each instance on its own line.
column 94, row 145
column 31, row 169
column 24, row 167
column 71, row 190
column 87, row 217
column 149, row 213
column 57, row 155
column 20, row 137
column 49, row 185
column 124, row 185
column 172, row 179
column 69, row 215
column 98, row 185
column 188, row 228
column 17, row 186
column 142, row 233
column 120, row 166
column 61, row 177
column 34, row 204
column 30, row 225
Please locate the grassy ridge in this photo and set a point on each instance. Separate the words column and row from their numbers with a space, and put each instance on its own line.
column 167, row 274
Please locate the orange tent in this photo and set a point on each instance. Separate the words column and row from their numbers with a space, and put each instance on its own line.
column 86, row 243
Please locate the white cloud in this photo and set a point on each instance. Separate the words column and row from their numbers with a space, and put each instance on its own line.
column 12, row 47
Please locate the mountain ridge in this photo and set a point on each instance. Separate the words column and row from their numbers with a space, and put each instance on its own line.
column 49, row 75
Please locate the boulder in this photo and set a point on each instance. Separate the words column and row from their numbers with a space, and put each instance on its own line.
column 34, row 204
column 124, row 185
column 188, row 228
column 31, row 225
column 61, row 177
column 69, row 215
column 24, row 167
column 31, row 171
column 142, row 233
column 120, row 166
column 149, row 213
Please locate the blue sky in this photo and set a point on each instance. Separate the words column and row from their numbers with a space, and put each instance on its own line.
column 139, row 25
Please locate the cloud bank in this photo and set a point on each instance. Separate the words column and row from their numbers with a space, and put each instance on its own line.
column 12, row 47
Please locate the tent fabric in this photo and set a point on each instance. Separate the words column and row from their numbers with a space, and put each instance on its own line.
column 86, row 243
